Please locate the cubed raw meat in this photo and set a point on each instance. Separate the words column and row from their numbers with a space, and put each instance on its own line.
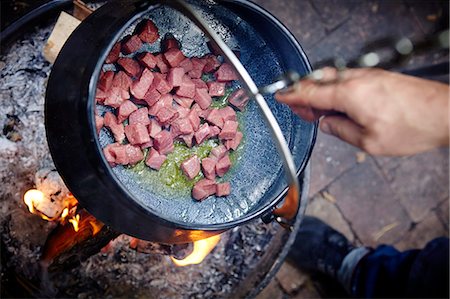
column 166, row 115
column 147, row 144
column 199, row 84
column 154, row 128
column 194, row 119
column 154, row 159
column 202, row 98
column 152, row 96
column 202, row 133
column 98, row 123
column 163, row 142
column 165, row 101
column 174, row 57
column 229, row 130
column 203, row 188
column 161, row 84
column 162, row 63
column 215, row 118
column 209, row 168
column 100, row 96
column 120, row 154
column 238, row 99
column 137, row 134
column 147, row 31
column 197, row 68
column 110, row 121
column 139, row 116
column 130, row 44
column 184, row 102
column 212, row 63
column 213, row 131
column 125, row 110
column 223, row 165
column 130, row 66
column 181, row 126
column 116, row 97
column 122, row 81
column 188, row 139
column 218, row 152
column 223, row 189
column 203, row 113
column 225, row 73
column 228, row 113
column 191, row 167
column 187, row 88
column 110, row 154
column 216, row 89
column 175, row 76
column 186, row 64
column 182, row 111
column 113, row 54
column 105, row 81
column 140, row 87
column 134, row 154
column 147, row 59
column 169, row 42
column 234, row 143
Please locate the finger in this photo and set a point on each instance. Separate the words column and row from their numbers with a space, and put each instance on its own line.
column 343, row 128
column 305, row 113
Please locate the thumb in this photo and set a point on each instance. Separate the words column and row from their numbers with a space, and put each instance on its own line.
column 343, row 128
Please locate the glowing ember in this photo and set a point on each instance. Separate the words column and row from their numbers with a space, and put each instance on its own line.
column 33, row 197
column 201, row 249
column 74, row 221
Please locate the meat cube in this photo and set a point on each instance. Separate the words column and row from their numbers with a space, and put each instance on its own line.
column 212, row 63
column 147, row 31
column 202, row 98
column 162, row 63
column 238, row 99
column 203, row 188
column 229, row 130
column 182, row 111
column 130, row 66
column 216, row 89
column 202, row 133
column 187, row 88
column 154, row 128
column 140, row 87
column 116, row 97
column 181, row 126
column 166, row 115
column 110, row 154
column 209, row 168
column 191, row 167
column 122, row 81
column 100, row 96
column 175, row 76
column 98, row 123
column 188, row 139
column 113, row 54
column 194, row 119
column 226, row 73
column 134, row 154
column 154, row 159
column 152, row 96
column 115, row 154
column 233, row 144
column 183, row 102
column 218, row 152
column 139, row 116
column 199, row 83
column 186, row 64
column 223, row 165
column 130, row 44
column 125, row 110
column 163, row 142
column 213, row 131
column 197, row 68
column 117, row 129
column 147, row 144
column 228, row 113
column 137, row 134
column 161, row 84
column 174, row 57
column 169, row 42
column 165, row 101
column 223, row 189
column 147, row 59
column 201, row 113
column 215, row 118
column 105, row 81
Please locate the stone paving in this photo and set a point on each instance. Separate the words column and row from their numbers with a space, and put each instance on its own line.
column 371, row 200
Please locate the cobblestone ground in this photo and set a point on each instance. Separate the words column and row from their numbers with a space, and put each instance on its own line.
column 372, row 200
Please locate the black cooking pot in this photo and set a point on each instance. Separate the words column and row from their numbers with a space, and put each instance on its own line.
column 120, row 197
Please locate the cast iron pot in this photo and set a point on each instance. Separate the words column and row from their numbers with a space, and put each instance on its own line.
column 109, row 194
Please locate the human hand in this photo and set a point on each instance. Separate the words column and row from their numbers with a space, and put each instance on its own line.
column 381, row 112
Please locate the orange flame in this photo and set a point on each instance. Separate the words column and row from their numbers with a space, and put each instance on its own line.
column 75, row 221
column 31, row 198
column 201, row 249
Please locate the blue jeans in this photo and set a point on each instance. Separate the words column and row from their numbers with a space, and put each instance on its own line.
column 386, row 272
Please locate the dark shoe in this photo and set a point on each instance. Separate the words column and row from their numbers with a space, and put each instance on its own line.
column 319, row 248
